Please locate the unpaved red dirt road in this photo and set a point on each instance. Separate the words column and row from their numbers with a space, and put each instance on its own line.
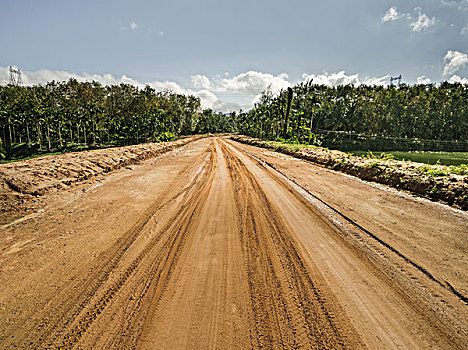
column 220, row 245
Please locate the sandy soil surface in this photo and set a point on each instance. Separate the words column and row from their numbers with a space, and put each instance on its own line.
column 220, row 245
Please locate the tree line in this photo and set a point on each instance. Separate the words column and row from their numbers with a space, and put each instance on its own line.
column 53, row 115
column 419, row 111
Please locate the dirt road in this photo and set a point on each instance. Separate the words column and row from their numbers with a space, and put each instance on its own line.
column 220, row 245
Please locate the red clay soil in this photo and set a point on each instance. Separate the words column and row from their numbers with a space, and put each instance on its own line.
column 222, row 245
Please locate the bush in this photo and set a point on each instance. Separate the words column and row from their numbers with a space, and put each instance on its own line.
column 166, row 136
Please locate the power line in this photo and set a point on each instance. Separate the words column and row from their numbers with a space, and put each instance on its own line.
column 392, row 79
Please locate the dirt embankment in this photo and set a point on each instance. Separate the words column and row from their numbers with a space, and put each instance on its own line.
column 22, row 182
column 451, row 189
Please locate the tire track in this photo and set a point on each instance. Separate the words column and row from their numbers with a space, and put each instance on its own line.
column 290, row 311
column 70, row 313
column 205, row 304
column 162, row 262
column 444, row 284
column 410, row 280
column 220, row 260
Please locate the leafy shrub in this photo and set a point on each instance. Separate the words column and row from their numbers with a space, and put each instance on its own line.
column 166, row 136
column 428, row 170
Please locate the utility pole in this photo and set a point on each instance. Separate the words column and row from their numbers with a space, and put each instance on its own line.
column 392, row 79
column 15, row 77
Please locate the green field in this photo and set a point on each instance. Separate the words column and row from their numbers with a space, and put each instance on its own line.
column 444, row 158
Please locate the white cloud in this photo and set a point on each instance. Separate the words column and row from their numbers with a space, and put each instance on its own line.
column 392, row 15
column 417, row 24
column 210, row 100
column 253, row 82
column 464, row 30
column 333, row 79
column 423, row 22
column 168, row 85
column 376, row 81
column 200, row 81
column 454, row 61
column 245, row 87
column 161, row 33
column 459, row 4
column 457, row 79
column 46, row 75
column 341, row 78
column 133, row 26
column 423, row 80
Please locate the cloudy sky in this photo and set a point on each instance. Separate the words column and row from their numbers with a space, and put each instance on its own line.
column 227, row 52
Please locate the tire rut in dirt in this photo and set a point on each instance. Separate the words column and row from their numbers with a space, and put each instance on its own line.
column 76, row 307
column 413, row 283
column 162, row 262
column 289, row 309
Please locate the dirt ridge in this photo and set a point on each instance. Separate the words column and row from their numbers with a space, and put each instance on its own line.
column 453, row 191
column 21, row 182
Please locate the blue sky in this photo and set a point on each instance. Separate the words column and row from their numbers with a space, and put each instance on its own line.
column 226, row 52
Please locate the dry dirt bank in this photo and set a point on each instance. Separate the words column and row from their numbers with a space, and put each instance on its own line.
column 403, row 175
column 21, row 183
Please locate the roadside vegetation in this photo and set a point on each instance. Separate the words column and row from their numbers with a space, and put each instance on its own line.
column 71, row 116
column 376, row 118
column 428, row 157
column 384, row 159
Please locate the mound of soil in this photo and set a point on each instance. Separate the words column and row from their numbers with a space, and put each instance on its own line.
column 451, row 189
column 21, row 182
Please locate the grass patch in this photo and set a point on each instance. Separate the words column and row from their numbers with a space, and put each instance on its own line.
column 442, row 158
column 294, row 145
column 461, row 169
